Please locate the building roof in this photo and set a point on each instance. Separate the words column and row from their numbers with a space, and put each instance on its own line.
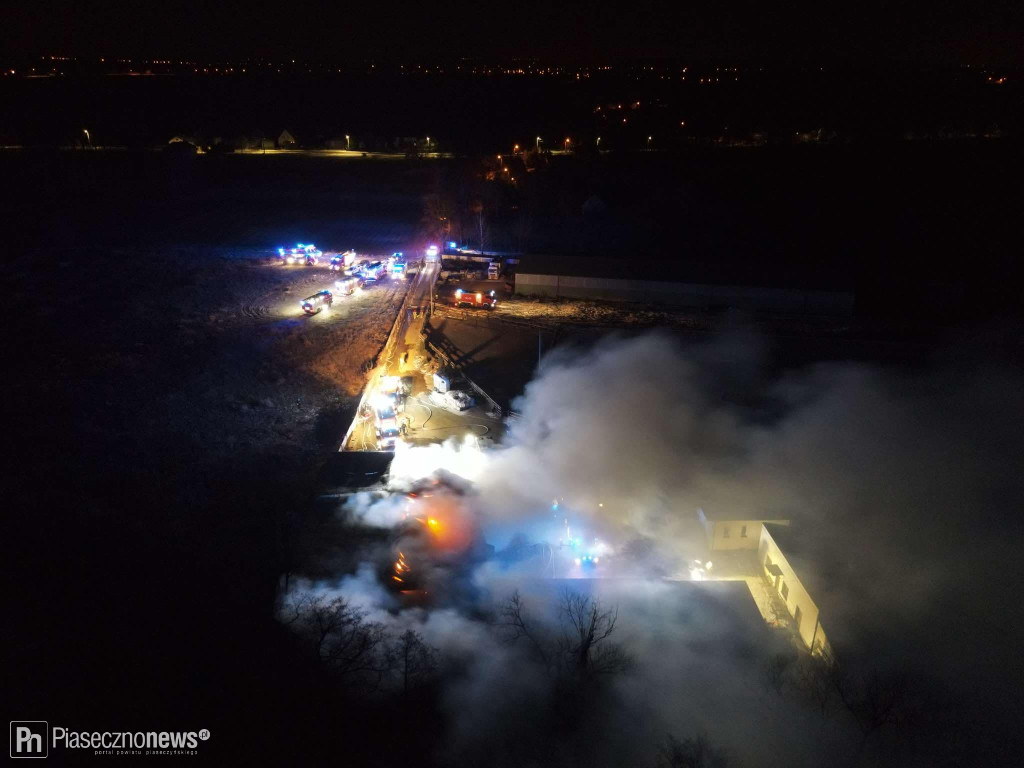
column 679, row 269
column 820, row 577
column 792, row 542
column 728, row 515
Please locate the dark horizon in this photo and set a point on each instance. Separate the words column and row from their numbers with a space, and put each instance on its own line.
column 929, row 34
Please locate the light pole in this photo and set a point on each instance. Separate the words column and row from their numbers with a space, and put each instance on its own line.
column 538, row 143
column 87, row 136
column 348, row 143
column 598, row 142
column 567, row 145
column 649, row 140
column 515, row 148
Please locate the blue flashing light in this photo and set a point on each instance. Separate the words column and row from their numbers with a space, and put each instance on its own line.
column 451, row 244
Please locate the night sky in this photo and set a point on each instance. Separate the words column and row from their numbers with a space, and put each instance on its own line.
column 927, row 33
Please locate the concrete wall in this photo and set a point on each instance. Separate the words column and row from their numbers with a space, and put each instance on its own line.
column 735, row 534
column 686, row 294
column 729, row 534
column 809, row 629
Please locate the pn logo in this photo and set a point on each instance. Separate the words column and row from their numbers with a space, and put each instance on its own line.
column 29, row 738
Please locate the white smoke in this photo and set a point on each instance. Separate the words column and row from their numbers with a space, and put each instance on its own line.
column 902, row 482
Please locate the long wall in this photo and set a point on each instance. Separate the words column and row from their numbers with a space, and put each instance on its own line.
column 686, row 294
column 777, row 570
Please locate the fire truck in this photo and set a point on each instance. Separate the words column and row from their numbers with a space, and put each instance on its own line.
column 374, row 271
column 314, row 304
column 478, row 300
column 346, row 286
column 300, row 254
column 343, row 261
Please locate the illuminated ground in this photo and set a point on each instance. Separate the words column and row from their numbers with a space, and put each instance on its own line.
column 427, row 420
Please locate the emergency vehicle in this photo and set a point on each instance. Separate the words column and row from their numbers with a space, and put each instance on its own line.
column 375, row 270
column 343, row 261
column 478, row 300
column 346, row 286
column 300, row 254
column 314, row 304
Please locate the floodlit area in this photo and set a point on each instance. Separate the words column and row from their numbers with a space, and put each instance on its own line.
column 415, row 397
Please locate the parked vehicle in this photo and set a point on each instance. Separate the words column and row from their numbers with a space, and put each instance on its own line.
column 479, row 300
column 375, row 270
column 342, row 261
column 347, row 286
column 314, row 304
column 307, row 254
column 459, row 400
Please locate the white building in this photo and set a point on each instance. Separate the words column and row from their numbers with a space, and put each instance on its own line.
column 782, row 562
column 733, row 530
column 781, row 565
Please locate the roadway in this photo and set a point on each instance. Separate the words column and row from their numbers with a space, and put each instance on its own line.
column 427, row 420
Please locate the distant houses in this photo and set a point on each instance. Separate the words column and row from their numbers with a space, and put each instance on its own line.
column 286, row 141
column 182, row 145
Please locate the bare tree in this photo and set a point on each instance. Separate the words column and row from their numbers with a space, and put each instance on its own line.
column 776, row 671
column 339, row 635
column 579, row 647
column 814, row 679
column 586, row 626
column 694, row 752
column 477, row 207
column 516, row 624
column 413, row 660
column 876, row 700
column 438, row 210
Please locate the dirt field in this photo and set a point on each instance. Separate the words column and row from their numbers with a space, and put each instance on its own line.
column 217, row 350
